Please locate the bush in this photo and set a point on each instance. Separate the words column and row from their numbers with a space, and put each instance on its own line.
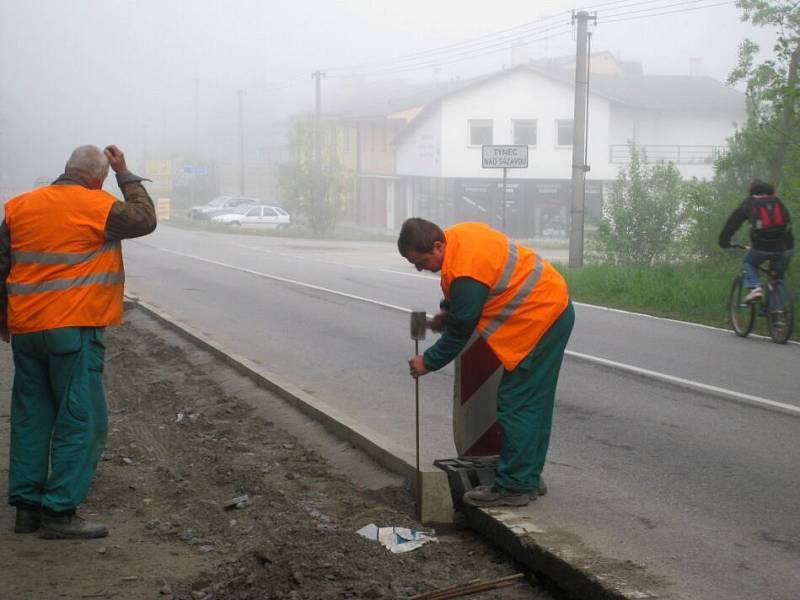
column 643, row 216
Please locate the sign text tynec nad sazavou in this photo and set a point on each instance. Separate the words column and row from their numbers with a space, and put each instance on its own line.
column 505, row 157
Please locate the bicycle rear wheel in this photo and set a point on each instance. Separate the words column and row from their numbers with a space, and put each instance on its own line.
column 742, row 314
column 780, row 312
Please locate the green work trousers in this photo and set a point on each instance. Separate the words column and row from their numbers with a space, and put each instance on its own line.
column 525, row 401
column 59, row 420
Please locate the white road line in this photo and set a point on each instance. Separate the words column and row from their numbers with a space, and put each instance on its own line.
column 408, row 274
column 286, row 280
column 695, row 385
column 668, row 320
column 341, row 264
column 688, row 383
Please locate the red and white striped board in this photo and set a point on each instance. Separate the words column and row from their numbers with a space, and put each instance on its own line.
column 478, row 372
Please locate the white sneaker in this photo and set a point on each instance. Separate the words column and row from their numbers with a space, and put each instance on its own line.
column 755, row 295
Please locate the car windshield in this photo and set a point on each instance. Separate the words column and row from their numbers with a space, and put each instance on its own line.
column 218, row 202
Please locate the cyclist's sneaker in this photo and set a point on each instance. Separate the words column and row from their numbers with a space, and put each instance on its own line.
column 755, row 295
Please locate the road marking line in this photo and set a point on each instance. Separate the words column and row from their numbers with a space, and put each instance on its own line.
column 341, row 264
column 286, row 280
column 688, row 383
column 669, row 320
column 695, row 385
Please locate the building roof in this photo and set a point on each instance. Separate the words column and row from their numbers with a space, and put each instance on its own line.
column 382, row 99
column 661, row 93
column 657, row 92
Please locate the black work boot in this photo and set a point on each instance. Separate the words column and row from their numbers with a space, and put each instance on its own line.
column 69, row 526
column 28, row 519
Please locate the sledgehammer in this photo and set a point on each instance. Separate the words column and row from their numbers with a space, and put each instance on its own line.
column 419, row 321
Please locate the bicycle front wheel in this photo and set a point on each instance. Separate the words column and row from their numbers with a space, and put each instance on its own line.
column 780, row 312
column 742, row 314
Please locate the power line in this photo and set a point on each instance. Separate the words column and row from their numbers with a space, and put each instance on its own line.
column 492, row 43
column 671, row 12
column 524, row 29
column 490, row 48
column 652, row 8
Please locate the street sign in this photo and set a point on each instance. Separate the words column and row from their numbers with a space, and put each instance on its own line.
column 505, row 157
column 191, row 170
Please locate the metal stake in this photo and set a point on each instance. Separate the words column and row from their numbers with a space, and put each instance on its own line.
column 419, row 321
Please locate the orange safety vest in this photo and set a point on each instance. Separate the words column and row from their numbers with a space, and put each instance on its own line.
column 64, row 273
column 526, row 294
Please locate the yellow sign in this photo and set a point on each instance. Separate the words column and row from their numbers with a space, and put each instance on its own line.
column 163, row 209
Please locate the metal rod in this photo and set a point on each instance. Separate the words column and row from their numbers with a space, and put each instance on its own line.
column 418, row 486
column 468, row 588
column 504, row 199
column 449, row 588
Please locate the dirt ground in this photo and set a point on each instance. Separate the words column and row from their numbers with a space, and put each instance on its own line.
column 187, row 435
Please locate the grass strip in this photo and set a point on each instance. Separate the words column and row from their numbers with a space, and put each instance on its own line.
column 689, row 291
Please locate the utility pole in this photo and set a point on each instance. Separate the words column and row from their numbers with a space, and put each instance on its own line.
column 241, row 141
column 317, row 77
column 579, row 166
column 196, row 115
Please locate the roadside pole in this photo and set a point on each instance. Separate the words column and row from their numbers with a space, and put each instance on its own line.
column 316, row 158
column 505, row 170
column 504, row 157
column 241, row 93
column 579, row 166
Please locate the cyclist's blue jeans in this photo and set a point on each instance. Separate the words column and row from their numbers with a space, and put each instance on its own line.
column 753, row 258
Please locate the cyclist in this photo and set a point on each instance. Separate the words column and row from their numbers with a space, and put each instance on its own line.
column 770, row 235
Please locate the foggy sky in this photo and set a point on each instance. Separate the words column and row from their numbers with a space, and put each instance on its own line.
column 125, row 71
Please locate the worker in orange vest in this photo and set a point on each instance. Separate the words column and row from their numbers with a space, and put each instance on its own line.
column 520, row 305
column 61, row 284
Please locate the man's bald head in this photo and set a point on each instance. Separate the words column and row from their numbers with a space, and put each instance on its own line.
column 90, row 164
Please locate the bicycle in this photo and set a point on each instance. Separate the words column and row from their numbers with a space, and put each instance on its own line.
column 777, row 306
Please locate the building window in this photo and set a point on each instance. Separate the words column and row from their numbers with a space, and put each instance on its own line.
column 564, row 129
column 524, row 132
column 480, row 132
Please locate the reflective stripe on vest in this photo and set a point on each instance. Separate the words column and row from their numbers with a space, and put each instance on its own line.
column 56, row 285
column 60, row 258
column 508, row 270
column 516, row 301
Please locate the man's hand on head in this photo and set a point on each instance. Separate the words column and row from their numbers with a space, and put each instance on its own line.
column 116, row 158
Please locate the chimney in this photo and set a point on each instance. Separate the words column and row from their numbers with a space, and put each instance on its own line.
column 695, row 67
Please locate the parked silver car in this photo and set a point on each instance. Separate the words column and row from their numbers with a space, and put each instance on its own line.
column 260, row 215
column 219, row 205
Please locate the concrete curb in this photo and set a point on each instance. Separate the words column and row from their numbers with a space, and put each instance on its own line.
column 557, row 556
column 435, row 503
column 562, row 559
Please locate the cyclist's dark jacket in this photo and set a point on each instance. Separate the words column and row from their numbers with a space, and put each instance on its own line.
column 759, row 240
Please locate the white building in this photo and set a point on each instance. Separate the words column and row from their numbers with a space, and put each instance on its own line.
column 683, row 120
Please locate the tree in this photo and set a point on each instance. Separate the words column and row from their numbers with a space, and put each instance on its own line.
column 317, row 188
column 766, row 146
column 773, row 95
column 643, row 214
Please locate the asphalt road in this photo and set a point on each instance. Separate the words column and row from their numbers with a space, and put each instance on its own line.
column 700, row 488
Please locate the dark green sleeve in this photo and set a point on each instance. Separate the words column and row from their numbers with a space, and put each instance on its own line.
column 467, row 297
